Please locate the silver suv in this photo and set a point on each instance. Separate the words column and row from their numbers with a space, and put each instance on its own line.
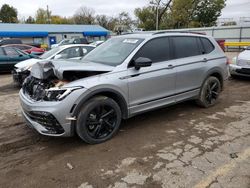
column 123, row 77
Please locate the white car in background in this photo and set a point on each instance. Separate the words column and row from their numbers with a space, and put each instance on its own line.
column 240, row 65
column 73, row 51
column 62, row 42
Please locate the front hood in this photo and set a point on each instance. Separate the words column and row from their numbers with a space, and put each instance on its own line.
column 27, row 63
column 43, row 70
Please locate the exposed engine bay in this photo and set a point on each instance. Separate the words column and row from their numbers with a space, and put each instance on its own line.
column 46, row 79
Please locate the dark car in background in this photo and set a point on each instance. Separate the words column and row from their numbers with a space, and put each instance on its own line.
column 27, row 48
column 9, row 56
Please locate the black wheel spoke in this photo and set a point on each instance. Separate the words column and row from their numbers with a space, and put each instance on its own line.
column 101, row 121
column 97, row 131
column 107, row 114
column 109, row 125
column 213, row 86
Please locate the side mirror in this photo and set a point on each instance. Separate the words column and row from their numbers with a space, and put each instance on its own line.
column 142, row 62
column 58, row 56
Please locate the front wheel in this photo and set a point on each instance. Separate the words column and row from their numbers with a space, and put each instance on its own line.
column 209, row 92
column 99, row 120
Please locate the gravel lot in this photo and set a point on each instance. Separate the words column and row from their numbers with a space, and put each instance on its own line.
column 179, row 146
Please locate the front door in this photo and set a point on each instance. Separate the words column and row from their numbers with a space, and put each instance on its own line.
column 153, row 86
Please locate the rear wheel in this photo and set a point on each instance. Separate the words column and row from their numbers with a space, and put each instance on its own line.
column 99, row 120
column 209, row 92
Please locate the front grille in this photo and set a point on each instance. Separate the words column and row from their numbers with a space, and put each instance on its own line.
column 47, row 120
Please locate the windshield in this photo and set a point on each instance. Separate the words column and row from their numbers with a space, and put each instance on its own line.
column 114, row 51
column 248, row 48
column 49, row 53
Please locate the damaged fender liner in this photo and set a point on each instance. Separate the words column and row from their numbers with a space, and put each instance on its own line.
column 45, row 75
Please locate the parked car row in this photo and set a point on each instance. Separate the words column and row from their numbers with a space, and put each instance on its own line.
column 74, row 51
column 125, row 76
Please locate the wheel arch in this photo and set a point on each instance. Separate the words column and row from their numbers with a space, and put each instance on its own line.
column 216, row 73
column 116, row 96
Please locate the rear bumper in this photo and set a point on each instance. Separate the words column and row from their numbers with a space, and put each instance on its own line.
column 238, row 70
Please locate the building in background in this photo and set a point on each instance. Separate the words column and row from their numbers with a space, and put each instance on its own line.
column 50, row 33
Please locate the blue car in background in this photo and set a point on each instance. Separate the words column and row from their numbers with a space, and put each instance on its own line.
column 9, row 56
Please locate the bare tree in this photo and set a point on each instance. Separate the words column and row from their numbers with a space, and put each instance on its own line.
column 84, row 15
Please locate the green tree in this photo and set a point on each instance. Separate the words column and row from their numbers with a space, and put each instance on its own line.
column 55, row 19
column 43, row 16
column 146, row 18
column 207, row 11
column 8, row 14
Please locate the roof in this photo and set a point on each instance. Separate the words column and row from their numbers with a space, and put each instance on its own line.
column 36, row 30
column 154, row 34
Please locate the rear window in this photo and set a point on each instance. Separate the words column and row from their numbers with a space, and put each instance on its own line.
column 207, row 45
column 186, row 47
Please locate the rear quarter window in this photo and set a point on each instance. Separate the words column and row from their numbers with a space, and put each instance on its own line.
column 208, row 47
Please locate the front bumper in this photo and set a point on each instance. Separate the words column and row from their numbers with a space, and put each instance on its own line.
column 238, row 70
column 50, row 118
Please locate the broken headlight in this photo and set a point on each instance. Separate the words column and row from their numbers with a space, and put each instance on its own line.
column 58, row 94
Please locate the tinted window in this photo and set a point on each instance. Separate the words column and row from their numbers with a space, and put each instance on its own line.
column 207, row 45
column 186, row 47
column 11, row 51
column 157, row 50
column 86, row 49
column 70, row 53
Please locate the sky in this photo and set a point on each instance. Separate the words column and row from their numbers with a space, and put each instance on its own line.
column 234, row 8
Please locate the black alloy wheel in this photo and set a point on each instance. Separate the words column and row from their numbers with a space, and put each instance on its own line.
column 99, row 120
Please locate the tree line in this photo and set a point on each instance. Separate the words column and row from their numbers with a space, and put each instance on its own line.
column 164, row 14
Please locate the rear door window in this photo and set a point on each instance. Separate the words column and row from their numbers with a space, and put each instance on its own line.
column 11, row 51
column 186, row 47
column 156, row 49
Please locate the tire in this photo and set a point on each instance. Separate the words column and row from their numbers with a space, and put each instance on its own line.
column 209, row 93
column 98, row 120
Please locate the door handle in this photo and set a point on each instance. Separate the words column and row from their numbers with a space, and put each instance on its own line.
column 204, row 60
column 170, row 66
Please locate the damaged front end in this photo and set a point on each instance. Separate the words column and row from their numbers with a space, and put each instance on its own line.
column 47, row 81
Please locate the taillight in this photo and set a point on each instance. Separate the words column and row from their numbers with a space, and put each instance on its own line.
column 228, row 62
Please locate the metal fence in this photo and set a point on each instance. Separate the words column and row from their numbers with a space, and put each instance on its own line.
column 227, row 33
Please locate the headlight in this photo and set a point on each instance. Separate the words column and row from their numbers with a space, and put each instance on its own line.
column 58, row 94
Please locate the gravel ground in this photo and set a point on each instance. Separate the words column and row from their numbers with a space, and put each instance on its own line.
column 178, row 146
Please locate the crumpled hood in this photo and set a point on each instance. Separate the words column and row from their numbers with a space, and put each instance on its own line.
column 27, row 63
column 42, row 70
column 245, row 55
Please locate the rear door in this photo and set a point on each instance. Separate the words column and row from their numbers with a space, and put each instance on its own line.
column 190, row 65
column 153, row 86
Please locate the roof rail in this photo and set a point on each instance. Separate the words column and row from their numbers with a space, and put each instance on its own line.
column 191, row 32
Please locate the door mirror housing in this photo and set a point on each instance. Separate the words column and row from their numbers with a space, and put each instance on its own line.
column 142, row 62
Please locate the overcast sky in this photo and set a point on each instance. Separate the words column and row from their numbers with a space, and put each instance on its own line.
column 234, row 8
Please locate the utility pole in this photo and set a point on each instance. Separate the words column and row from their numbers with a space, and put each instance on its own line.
column 157, row 5
column 48, row 15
